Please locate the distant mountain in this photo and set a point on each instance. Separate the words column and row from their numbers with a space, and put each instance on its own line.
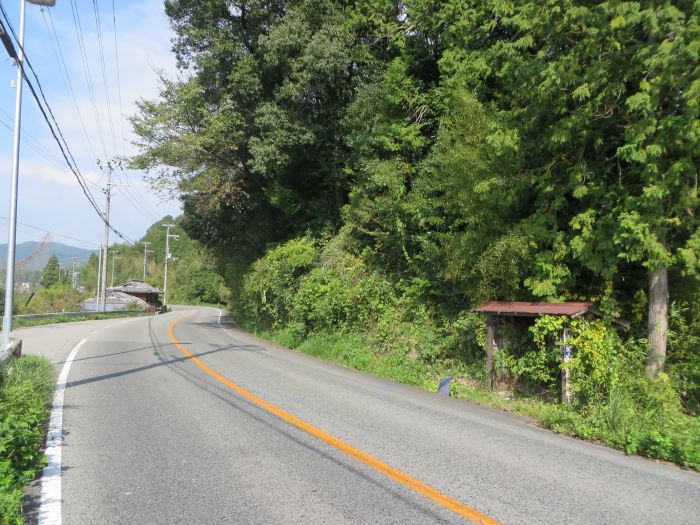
column 63, row 252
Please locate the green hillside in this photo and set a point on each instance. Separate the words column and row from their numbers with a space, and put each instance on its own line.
column 364, row 173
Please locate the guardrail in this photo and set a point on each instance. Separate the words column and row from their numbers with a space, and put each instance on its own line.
column 29, row 317
column 15, row 348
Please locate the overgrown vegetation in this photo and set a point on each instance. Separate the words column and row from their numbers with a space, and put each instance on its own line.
column 192, row 274
column 321, row 300
column 26, row 385
column 366, row 172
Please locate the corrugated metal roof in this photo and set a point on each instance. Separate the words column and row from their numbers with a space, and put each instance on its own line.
column 115, row 301
column 572, row 309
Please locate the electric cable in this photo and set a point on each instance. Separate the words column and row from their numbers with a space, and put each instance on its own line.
column 58, row 53
column 86, row 70
column 66, row 153
column 103, row 66
column 119, row 80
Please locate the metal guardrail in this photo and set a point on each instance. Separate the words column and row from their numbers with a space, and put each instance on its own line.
column 15, row 348
column 29, row 317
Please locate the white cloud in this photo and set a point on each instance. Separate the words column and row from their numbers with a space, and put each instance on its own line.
column 49, row 195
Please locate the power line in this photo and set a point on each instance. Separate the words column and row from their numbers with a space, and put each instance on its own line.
column 139, row 197
column 86, row 69
column 55, row 132
column 48, row 107
column 58, row 53
column 44, row 230
column 105, row 83
column 119, row 80
column 132, row 201
column 34, row 144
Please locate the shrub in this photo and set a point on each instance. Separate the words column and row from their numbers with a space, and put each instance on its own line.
column 468, row 336
column 25, row 389
column 61, row 297
column 332, row 304
column 268, row 288
column 684, row 352
column 596, row 361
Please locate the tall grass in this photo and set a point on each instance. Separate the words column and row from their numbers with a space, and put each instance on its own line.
column 26, row 385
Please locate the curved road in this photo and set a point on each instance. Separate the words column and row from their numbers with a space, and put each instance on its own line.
column 181, row 418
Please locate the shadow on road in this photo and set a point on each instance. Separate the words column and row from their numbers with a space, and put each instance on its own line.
column 279, row 427
column 171, row 361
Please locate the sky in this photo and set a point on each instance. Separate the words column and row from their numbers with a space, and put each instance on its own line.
column 92, row 105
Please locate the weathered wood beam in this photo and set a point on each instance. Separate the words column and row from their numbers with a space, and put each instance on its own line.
column 490, row 342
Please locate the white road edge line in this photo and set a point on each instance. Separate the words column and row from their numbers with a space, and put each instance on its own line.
column 50, row 503
column 50, row 509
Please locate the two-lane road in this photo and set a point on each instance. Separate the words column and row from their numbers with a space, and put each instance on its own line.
column 181, row 418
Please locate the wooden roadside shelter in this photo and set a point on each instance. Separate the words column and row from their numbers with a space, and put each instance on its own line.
column 500, row 309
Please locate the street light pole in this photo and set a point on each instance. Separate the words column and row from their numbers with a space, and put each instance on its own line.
column 12, row 229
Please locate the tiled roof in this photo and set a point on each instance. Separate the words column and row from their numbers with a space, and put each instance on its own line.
column 134, row 286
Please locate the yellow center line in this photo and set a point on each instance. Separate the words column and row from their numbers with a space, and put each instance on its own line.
column 397, row 475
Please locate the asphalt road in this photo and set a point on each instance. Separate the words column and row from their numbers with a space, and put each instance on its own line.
column 154, row 436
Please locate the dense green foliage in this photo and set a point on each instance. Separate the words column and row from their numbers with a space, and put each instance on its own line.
column 375, row 168
column 25, row 390
column 59, row 297
column 51, row 274
column 192, row 274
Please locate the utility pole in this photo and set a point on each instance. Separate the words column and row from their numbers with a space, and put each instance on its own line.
column 114, row 258
column 105, row 241
column 167, row 256
column 146, row 251
column 18, row 55
column 73, row 272
column 99, row 281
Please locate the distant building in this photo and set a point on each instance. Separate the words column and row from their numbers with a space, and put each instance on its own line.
column 116, row 301
column 140, row 290
column 132, row 294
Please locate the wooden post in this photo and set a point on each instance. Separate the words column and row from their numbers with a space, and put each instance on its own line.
column 490, row 336
column 565, row 372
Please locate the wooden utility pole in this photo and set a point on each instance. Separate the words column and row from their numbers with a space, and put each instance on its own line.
column 490, row 343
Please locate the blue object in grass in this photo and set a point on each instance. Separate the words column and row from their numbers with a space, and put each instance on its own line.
column 444, row 387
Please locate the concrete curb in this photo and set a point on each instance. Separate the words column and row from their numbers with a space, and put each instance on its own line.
column 14, row 350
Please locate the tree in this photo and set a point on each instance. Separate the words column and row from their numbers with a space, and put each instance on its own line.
column 253, row 140
column 51, row 273
column 606, row 97
column 469, row 149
